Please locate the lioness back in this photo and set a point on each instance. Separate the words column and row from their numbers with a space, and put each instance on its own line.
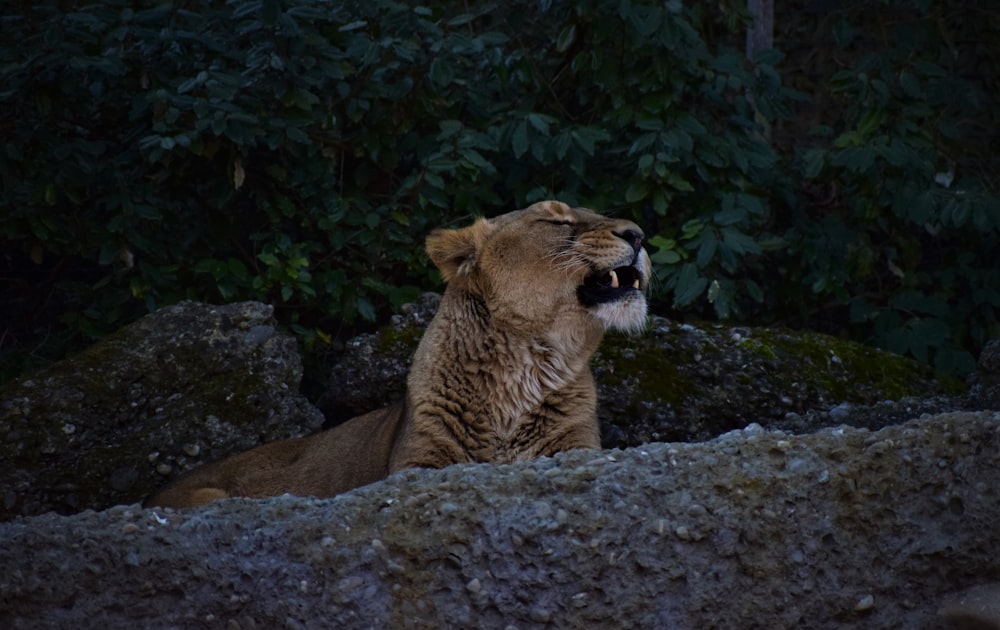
column 501, row 374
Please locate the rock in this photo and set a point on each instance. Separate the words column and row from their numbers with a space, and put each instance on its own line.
column 757, row 528
column 989, row 358
column 193, row 383
column 985, row 389
column 371, row 371
column 975, row 608
column 680, row 382
column 181, row 386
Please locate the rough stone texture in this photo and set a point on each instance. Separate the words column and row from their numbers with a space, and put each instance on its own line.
column 371, row 371
column 159, row 396
column 680, row 382
column 845, row 527
column 977, row 607
column 193, row 383
column 985, row 390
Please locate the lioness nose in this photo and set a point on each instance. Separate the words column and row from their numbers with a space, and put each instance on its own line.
column 632, row 235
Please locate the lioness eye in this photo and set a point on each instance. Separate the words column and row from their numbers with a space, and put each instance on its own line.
column 558, row 222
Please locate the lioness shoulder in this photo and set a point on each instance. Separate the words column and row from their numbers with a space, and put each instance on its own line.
column 500, row 375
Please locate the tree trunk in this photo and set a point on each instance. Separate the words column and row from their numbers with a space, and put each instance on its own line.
column 760, row 35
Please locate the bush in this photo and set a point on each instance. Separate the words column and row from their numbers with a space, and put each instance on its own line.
column 297, row 152
column 899, row 229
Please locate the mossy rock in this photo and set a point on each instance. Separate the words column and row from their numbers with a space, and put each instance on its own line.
column 678, row 382
column 184, row 385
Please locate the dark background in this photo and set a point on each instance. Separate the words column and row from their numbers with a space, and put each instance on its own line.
column 298, row 152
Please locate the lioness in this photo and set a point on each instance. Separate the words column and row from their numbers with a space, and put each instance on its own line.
column 501, row 374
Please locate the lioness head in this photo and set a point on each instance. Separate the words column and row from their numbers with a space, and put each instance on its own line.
column 549, row 264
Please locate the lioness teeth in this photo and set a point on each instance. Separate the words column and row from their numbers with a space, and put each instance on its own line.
column 635, row 285
column 614, row 279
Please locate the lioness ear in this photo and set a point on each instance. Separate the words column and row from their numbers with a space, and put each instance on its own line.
column 454, row 252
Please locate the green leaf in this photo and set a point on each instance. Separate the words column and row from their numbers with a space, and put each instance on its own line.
column 449, row 128
column 730, row 216
column 660, row 202
column 921, row 208
column 637, row 191
column 855, row 159
column 872, row 120
column 442, row 73
column 982, row 220
column 304, row 99
column 690, row 285
column 460, row 20
column 754, row 290
column 476, row 159
column 899, row 154
column 588, row 137
column 539, row 123
column 566, row 38
column 772, row 243
column 666, row 257
column 708, row 244
column 563, row 143
column 739, row 242
column 365, row 308
column 353, row 26
column 910, row 84
column 440, row 163
column 519, row 140
column 881, row 90
column 812, row 161
column 691, row 229
column 675, row 181
column 650, row 123
column 848, row 139
column 961, row 210
column 662, row 242
column 949, row 130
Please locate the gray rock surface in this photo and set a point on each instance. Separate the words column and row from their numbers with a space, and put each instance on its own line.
column 975, row 608
column 371, row 371
column 181, row 386
column 679, row 382
column 842, row 528
column 193, row 383
column 985, row 390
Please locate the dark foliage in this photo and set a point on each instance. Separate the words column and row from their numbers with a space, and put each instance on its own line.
column 298, row 151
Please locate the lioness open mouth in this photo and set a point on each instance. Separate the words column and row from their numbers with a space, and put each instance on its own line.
column 609, row 286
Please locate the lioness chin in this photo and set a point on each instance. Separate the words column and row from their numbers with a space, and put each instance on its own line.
column 501, row 374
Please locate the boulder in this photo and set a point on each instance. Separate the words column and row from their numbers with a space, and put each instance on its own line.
column 757, row 528
column 192, row 383
column 184, row 385
column 680, row 382
column 985, row 390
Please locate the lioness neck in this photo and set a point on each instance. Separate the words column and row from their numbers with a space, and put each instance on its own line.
column 515, row 395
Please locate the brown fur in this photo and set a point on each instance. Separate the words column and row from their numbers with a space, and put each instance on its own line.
column 501, row 374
